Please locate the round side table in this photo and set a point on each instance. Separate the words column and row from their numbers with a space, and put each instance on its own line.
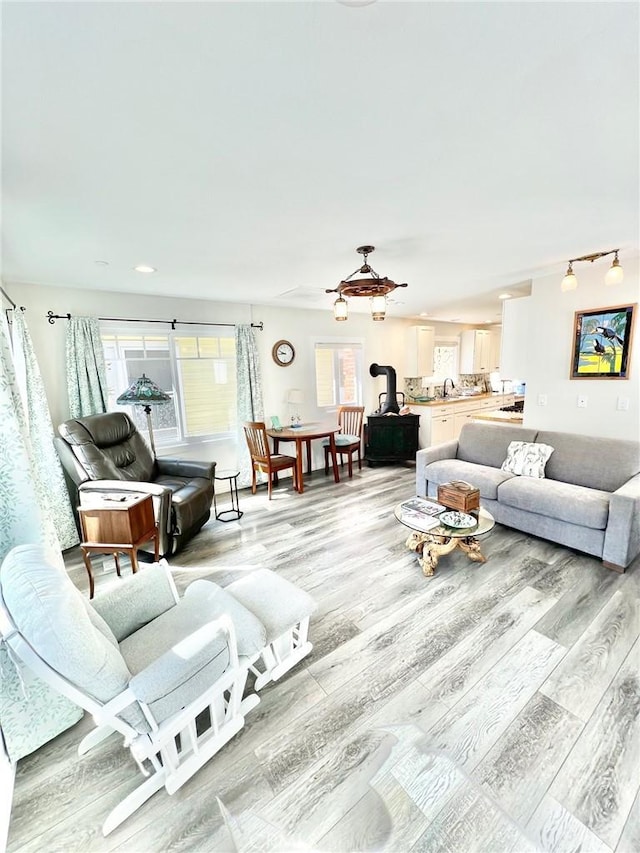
column 232, row 513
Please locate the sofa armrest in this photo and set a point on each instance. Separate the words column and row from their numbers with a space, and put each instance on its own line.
column 161, row 496
column 137, row 600
column 446, row 450
column 212, row 645
column 622, row 536
column 186, row 468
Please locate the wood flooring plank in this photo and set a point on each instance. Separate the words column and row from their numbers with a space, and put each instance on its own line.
column 427, row 610
column 577, row 607
column 472, row 823
column 599, row 780
column 331, row 787
column 586, row 672
column 555, row 830
column 630, row 838
column 520, row 767
column 485, row 712
column 464, row 665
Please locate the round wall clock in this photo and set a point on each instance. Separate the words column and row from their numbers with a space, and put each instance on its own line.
column 283, row 353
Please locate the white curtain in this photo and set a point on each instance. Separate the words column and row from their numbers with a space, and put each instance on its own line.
column 50, row 481
column 86, row 372
column 250, row 406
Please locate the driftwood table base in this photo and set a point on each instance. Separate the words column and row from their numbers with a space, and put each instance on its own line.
column 429, row 547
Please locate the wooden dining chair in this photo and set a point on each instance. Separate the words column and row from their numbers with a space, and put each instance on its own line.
column 349, row 439
column 262, row 459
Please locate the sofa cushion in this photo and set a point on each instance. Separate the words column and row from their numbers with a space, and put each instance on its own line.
column 527, row 458
column 562, row 501
column 597, row 463
column 486, row 444
column 481, row 476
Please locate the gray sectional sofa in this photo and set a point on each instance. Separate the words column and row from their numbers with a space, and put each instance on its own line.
column 589, row 498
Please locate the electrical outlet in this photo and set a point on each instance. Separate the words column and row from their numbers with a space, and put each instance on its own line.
column 623, row 404
column 542, row 399
column 582, row 401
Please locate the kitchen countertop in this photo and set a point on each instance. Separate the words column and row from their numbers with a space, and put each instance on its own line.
column 500, row 417
column 469, row 398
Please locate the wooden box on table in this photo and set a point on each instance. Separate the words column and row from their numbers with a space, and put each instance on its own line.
column 459, row 495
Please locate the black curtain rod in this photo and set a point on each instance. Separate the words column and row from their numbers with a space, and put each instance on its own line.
column 53, row 317
column 8, row 298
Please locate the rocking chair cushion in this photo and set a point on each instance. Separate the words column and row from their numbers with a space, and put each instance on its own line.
column 139, row 599
column 184, row 672
column 51, row 615
column 197, row 609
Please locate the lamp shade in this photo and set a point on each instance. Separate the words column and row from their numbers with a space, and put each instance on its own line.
column 569, row 282
column 378, row 307
column 143, row 391
column 614, row 274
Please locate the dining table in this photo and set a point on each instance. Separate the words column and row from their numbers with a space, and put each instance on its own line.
column 305, row 434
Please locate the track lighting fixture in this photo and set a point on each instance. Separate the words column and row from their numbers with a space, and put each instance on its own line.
column 614, row 274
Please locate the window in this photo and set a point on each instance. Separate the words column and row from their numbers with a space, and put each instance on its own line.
column 338, row 374
column 445, row 360
column 198, row 372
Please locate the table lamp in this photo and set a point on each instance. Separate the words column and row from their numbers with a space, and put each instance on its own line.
column 144, row 392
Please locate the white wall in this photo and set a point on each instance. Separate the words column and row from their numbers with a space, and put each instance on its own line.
column 382, row 342
column 546, row 331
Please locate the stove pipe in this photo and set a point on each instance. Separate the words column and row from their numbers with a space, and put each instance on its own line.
column 390, row 403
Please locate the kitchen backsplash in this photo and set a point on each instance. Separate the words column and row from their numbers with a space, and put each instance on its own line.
column 413, row 386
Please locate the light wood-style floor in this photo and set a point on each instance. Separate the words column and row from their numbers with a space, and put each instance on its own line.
column 490, row 708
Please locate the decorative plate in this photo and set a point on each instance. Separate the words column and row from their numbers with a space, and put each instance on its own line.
column 459, row 520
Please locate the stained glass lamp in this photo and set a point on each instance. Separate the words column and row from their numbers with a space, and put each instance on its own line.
column 144, row 392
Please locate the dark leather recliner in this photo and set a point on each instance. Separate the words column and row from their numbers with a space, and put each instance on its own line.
column 106, row 453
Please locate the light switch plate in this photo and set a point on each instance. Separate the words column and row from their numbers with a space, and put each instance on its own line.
column 623, row 404
column 542, row 399
column 582, row 401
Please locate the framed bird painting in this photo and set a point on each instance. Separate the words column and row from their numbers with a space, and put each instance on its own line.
column 602, row 340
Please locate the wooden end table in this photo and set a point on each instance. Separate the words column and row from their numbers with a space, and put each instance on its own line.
column 116, row 523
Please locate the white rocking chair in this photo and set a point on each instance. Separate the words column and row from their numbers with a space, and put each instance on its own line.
column 146, row 663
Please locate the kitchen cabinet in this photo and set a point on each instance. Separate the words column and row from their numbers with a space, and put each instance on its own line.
column 442, row 429
column 444, row 421
column 419, row 351
column 475, row 351
column 495, row 343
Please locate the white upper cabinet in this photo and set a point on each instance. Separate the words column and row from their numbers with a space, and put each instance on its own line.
column 419, row 352
column 475, row 351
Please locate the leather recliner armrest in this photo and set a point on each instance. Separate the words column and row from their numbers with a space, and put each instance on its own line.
column 186, row 468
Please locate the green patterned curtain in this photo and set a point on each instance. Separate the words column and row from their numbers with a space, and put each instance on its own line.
column 86, row 373
column 48, row 470
column 31, row 713
column 250, row 406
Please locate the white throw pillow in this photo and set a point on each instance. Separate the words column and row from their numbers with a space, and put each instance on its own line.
column 527, row 459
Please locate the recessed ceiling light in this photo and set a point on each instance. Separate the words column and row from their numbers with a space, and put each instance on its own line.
column 144, row 268
column 101, row 263
column 504, row 296
column 424, row 314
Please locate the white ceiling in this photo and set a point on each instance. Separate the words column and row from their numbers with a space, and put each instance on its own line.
column 247, row 149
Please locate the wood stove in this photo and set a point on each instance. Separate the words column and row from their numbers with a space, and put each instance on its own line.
column 390, row 437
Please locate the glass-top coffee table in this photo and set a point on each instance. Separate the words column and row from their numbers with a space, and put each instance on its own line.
column 429, row 546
